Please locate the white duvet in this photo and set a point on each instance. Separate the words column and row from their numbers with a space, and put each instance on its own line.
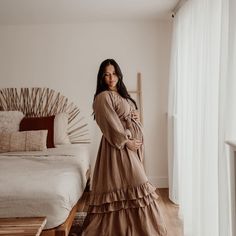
column 46, row 183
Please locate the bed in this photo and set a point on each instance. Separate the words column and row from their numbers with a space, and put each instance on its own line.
column 37, row 179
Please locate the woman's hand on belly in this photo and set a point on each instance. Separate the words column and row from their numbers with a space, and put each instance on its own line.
column 134, row 144
column 135, row 115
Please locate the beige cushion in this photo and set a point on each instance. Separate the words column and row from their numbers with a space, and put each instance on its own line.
column 61, row 129
column 34, row 140
column 10, row 121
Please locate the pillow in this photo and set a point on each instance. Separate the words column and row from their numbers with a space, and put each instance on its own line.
column 23, row 141
column 10, row 121
column 40, row 123
column 61, row 129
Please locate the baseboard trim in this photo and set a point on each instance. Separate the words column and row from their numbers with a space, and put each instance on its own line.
column 160, row 182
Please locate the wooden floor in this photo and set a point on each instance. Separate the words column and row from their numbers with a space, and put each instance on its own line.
column 169, row 211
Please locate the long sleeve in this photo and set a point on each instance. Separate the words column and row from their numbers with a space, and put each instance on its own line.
column 108, row 120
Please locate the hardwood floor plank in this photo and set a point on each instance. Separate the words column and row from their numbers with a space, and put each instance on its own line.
column 170, row 212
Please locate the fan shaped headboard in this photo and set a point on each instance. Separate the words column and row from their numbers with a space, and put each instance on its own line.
column 38, row 102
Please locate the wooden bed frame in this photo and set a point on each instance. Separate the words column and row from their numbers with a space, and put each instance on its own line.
column 64, row 229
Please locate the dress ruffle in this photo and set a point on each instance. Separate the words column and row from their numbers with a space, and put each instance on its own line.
column 132, row 211
column 144, row 220
column 118, row 205
column 130, row 193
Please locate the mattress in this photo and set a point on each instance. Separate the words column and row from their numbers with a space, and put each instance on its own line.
column 43, row 183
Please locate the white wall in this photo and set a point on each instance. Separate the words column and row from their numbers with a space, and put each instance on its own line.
column 66, row 58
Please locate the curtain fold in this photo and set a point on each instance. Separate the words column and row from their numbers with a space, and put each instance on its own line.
column 198, row 119
column 230, row 116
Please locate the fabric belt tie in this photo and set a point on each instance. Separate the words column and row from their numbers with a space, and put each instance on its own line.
column 128, row 122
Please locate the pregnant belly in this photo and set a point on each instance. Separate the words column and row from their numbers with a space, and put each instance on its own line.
column 136, row 130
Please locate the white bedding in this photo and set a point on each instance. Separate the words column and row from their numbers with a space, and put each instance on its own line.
column 42, row 183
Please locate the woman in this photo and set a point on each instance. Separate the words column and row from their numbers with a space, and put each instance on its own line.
column 122, row 201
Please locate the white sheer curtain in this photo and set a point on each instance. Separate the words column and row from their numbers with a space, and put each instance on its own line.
column 231, row 76
column 197, row 116
column 230, row 111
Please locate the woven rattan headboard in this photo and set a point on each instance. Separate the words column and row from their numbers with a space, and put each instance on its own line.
column 37, row 102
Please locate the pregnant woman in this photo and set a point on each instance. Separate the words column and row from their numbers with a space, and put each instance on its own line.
column 122, row 201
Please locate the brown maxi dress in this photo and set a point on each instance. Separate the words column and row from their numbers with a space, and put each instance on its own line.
column 122, row 201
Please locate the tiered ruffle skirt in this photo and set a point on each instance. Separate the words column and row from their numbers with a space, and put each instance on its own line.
column 131, row 211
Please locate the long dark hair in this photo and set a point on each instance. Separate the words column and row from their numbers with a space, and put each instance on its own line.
column 102, row 86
